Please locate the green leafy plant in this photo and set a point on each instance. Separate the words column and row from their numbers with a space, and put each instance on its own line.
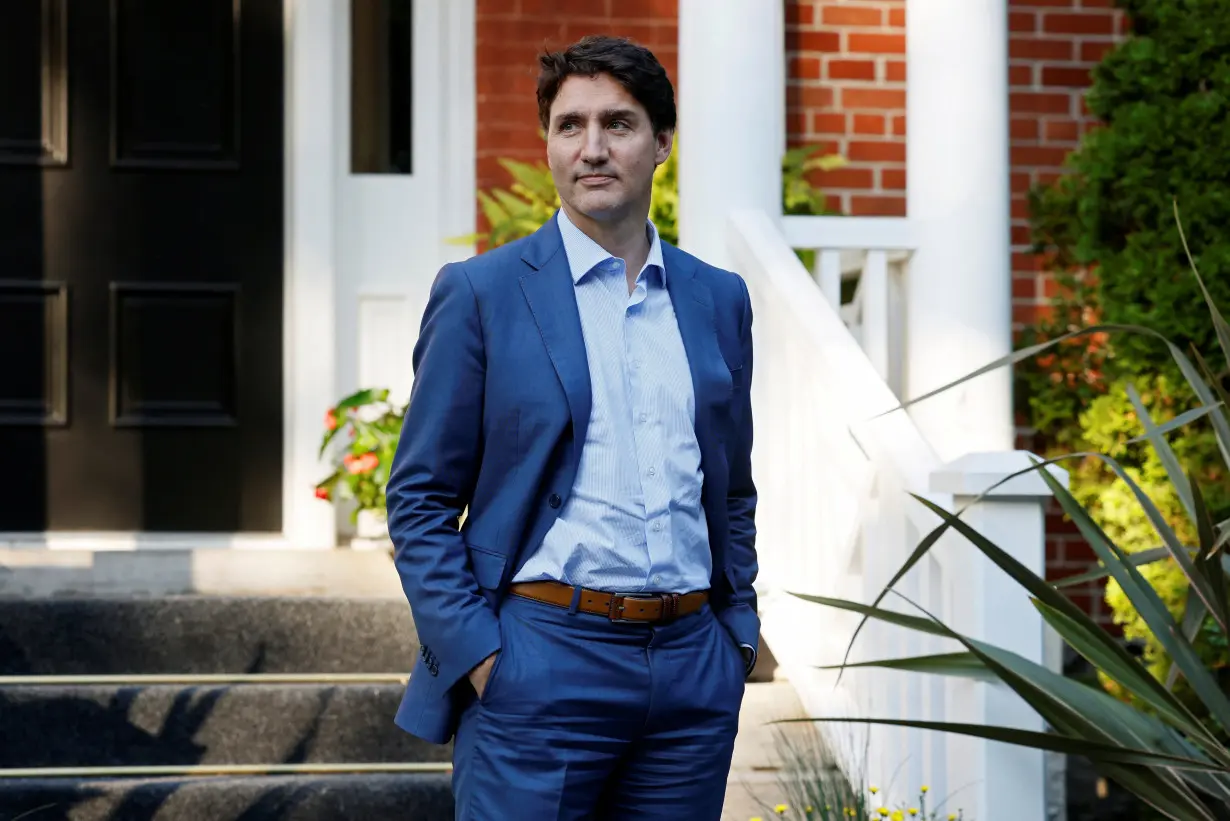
column 1105, row 231
column 531, row 198
column 369, row 426
column 1153, row 744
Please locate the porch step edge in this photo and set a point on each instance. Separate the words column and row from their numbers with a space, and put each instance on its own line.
column 34, row 573
column 398, row 797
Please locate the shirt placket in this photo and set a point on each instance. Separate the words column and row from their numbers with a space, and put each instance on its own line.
column 647, row 433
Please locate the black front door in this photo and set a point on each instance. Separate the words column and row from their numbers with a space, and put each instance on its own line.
column 141, row 256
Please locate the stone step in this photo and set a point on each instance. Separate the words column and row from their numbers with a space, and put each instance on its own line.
column 206, row 634
column 84, row 568
column 343, row 797
column 105, row 726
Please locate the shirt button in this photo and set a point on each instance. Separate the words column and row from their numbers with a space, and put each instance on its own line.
column 657, row 579
column 554, row 501
column 653, row 472
column 657, row 526
column 644, row 416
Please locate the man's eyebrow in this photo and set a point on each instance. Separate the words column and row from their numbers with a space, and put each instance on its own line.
column 619, row 114
column 608, row 114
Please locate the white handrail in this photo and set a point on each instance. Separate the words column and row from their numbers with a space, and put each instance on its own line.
column 849, row 233
column 763, row 253
column 835, row 460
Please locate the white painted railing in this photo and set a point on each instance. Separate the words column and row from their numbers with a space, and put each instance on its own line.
column 870, row 254
column 834, row 465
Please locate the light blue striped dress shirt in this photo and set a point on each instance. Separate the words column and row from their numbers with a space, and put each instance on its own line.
column 634, row 521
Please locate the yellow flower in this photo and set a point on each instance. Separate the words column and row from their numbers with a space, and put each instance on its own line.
column 874, row 789
column 780, row 809
column 925, row 788
column 913, row 810
column 809, row 809
column 952, row 816
column 898, row 815
column 883, row 811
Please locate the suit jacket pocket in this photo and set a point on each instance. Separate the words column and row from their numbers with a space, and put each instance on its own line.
column 488, row 566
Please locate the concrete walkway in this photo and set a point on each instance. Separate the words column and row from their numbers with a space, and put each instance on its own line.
column 753, row 788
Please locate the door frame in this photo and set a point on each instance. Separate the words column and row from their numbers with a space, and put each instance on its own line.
column 312, row 127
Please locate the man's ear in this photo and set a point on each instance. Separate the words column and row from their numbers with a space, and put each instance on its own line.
column 664, row 139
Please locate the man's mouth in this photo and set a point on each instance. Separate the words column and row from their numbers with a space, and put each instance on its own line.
column 595, row 179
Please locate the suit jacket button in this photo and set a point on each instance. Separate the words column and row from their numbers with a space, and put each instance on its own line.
column 554, row 501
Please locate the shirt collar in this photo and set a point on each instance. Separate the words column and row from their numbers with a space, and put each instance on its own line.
column 584, row 254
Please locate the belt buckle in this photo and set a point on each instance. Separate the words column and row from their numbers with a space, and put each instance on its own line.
column 669, row 612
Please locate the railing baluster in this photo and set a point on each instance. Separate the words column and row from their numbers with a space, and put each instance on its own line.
column 896, row 327
column 875, row 336
column 828, row 275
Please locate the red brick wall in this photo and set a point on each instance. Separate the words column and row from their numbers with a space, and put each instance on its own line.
column 1052, row 47
column 846, row 91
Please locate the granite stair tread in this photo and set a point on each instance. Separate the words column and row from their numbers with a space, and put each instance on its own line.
column 206, row 634
column 120, row 725
column 341, row 797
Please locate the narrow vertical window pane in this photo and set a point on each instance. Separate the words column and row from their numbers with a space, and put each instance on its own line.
column 381, row 69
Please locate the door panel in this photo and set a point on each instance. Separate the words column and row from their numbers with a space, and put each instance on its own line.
column 141, row 265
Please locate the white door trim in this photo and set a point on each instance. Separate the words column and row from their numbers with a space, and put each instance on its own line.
column 317, row 50
column 309, row 333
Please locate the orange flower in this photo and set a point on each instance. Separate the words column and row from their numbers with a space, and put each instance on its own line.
column 360, row 464
column 322, row 493
column 331, row 419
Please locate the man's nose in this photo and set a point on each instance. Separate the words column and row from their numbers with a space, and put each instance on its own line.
column 595, row 150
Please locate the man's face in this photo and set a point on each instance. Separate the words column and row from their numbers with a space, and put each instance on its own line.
column 602, row 149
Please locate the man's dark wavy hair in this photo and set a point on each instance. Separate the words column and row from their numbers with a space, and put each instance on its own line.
column 632, row 66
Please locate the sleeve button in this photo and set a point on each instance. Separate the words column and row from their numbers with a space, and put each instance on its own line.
column 554, row 501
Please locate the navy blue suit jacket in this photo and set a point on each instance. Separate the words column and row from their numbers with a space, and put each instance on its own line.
column 495, row 426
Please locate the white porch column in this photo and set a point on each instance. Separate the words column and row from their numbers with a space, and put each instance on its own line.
column 310, row 335
column 959, row 290
column 1005, row 781
column 731, row 98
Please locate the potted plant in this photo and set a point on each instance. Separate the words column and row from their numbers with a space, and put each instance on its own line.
column 361, row 432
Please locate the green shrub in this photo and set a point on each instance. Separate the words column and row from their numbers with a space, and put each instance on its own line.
column 1164, row 98
column 1108, row 229
column 1109, row 425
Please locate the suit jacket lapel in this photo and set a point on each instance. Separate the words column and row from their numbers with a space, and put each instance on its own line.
column 693, row 305
column 548, row 289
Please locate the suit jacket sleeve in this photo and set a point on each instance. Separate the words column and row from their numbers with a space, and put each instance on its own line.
column 432, row 480
column 741, row 498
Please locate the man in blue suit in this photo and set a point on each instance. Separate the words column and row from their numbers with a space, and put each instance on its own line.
column 581, row 400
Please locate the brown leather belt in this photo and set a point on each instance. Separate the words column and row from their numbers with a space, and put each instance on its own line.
column 644, row 608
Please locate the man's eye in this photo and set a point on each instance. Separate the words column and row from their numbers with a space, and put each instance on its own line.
column 618, row 124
